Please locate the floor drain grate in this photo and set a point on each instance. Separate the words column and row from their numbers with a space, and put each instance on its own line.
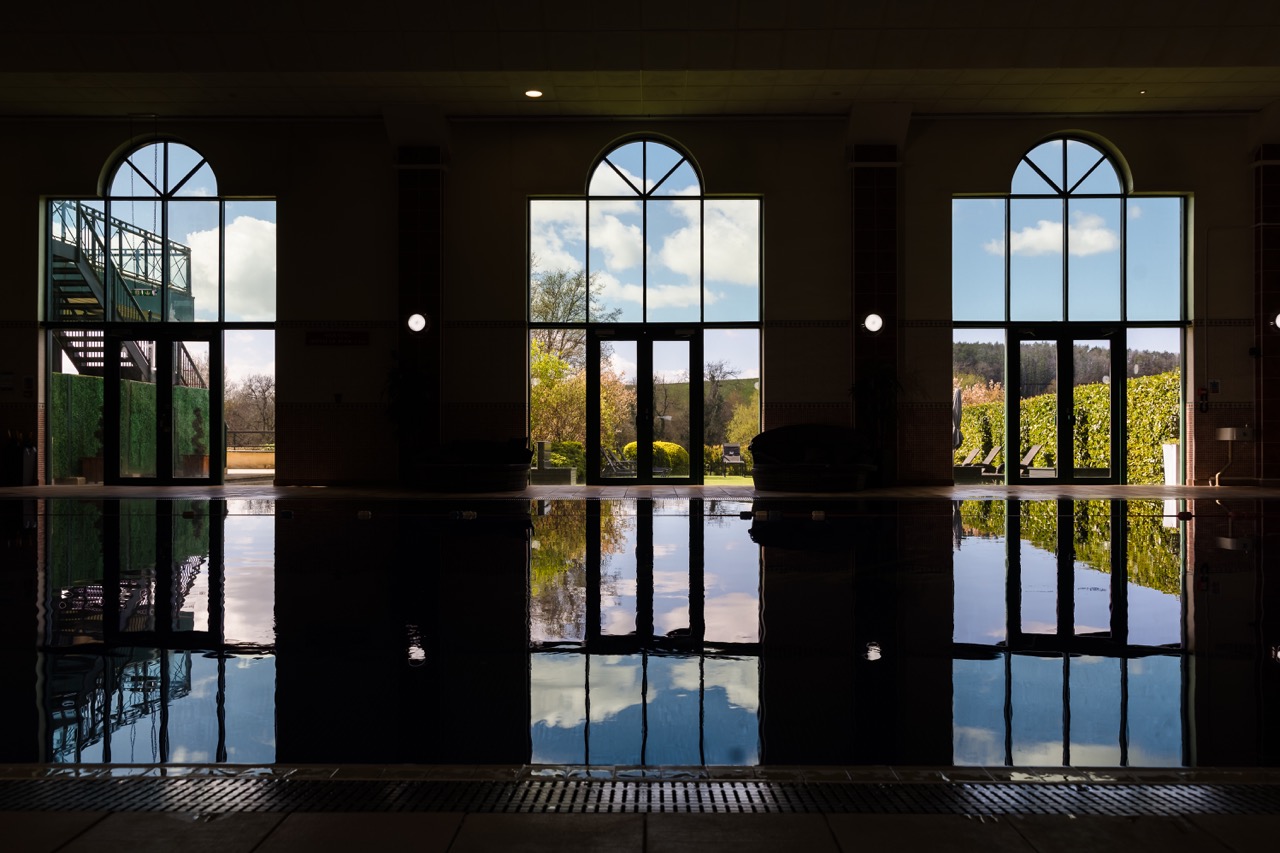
column 220, row 795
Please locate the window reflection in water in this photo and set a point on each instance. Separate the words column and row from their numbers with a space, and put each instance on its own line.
column 667, row 669
column 1082, row 661
column 139, row 657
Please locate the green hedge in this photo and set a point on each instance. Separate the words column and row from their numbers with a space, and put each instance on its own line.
column 1153, row 419
column 666, row 454
column 75, row 423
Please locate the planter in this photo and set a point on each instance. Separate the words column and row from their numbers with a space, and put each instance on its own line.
column 195, row 465
column 91, row 467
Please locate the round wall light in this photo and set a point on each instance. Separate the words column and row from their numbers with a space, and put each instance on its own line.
column 417, row 322
column 1276, row 321
column 873, row 323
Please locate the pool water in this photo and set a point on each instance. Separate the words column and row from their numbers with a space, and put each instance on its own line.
column 639, row 633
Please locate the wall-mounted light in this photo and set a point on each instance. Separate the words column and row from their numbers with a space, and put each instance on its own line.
column 417, row 322
column 1276, row 321
column 873, row 323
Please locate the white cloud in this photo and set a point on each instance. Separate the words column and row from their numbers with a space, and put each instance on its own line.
column 621, row 243
column 731, row 247
column 738, row 677
column 1087, row 235
column 556, row 234
column 250, row 269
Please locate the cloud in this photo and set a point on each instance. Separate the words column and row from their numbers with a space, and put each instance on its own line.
column 250, row 269
column 1087, row 235
column 1135, row 211
column 621, row 243
column 731, row 246
column 556, row 234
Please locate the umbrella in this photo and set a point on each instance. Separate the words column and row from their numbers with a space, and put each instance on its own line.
column 957, row 437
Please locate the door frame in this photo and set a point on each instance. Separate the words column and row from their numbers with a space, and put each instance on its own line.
column 644, row 335
column 1064, row 336
column 164, row 337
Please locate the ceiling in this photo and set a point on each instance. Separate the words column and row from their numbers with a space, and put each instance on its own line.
column 655, row 58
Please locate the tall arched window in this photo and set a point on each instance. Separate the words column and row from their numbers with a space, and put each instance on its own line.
column 644, row 298
column 143, row 287
column 1069, row 291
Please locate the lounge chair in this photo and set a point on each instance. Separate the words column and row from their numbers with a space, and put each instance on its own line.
column 613, row 465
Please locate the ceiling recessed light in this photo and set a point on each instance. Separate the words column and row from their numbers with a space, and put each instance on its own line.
column 533, row 93
column 1142, row 91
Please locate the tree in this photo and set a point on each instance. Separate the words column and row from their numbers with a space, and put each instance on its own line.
column 558, row 399
column 250, row 407
column 716, row 410
column 564, row 296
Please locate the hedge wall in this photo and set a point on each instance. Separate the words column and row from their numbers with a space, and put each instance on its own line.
column 1153, row 420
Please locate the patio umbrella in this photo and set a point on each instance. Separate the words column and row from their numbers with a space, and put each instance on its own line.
column 957, row 437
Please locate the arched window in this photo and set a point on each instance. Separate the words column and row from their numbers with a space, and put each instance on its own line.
column 645, row 260
column 143, row 288
column 1081, row 282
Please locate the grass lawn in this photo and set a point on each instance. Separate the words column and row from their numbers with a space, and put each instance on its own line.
column 730, row 480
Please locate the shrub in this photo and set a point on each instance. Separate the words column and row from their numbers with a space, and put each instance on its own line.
column 666, row 454
column 570, row 454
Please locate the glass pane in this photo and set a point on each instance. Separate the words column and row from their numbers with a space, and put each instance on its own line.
column 673, row 721
column 249, row 575
column 731, row 709
column 1155, row 712
column 558, row 707
column 76, row 256
column 141, row 175
column 673, row 247
column 557, row 573
column 1154, row 388
column 189, row 585
column 618, row 364
column 249, row 403
column 1092, row 568
column 74, row 406
column 1154, row 591
column 673, row 448
column 621, row 173
column 1035, row 259
column 1037, row 409
column 73, row 601
column 195, row 246
column 1081, row 158
column 978, row 569
column 1153, row 258
column 731, row 577
column 683, row 181
column 135, row 266
column 977, row 712
column 1095, row 711
column 192, row 427
column 1093, row 264
column 618, row 593
column 1038, row 555
column 557, row 260
column 1091, row 408
column 250, row 261
column 977, row 259
column 189, row 175
column 731, row 286
column 1048, row 157
column 659, row 159
column 978, row 376
column 731, row 396
column 615, row 733
column 138, row 409
column 671, row 569
column 616, row 261
column 1037, row 702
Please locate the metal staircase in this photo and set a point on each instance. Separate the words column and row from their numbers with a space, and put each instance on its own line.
column 83, row 274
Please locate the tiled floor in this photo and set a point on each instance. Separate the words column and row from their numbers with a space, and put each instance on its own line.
column 275, row 832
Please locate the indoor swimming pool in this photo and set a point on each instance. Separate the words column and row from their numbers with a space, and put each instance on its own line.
column 640, row 633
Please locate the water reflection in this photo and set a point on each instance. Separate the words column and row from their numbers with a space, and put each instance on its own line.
column 636, row 633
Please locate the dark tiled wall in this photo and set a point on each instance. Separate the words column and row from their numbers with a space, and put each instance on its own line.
column 875, row 289
column 1267, row 286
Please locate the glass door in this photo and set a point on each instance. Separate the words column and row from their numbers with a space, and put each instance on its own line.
column 1068, row 417
column 644, row 406
column 162, row 407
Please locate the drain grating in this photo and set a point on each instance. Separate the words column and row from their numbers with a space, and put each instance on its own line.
column 220, row 795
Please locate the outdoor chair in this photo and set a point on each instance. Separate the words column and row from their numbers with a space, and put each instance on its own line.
column 613, row 465
column 733, row 456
